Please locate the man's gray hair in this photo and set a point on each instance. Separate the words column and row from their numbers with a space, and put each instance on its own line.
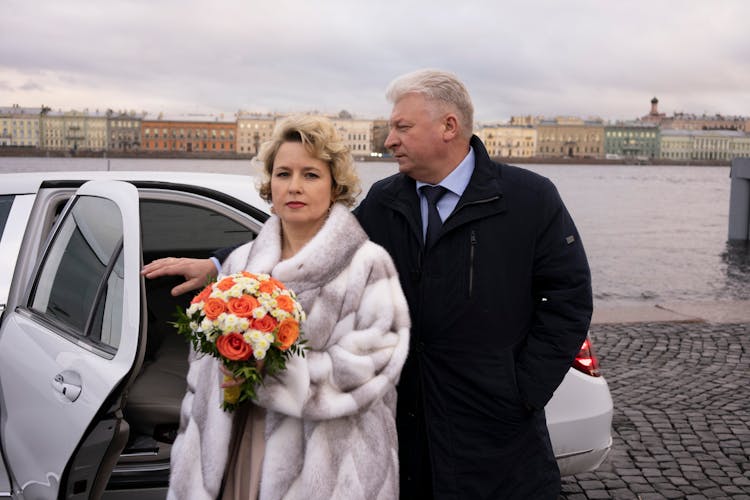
column 436, row 85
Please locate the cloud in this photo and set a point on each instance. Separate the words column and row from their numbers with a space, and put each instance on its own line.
column 517, row 57
column 29, row 86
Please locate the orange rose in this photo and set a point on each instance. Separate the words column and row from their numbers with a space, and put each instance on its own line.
column 288, row 333
column 266, row 286
column 265, row 324
column 278, row 284
column 242, row 306
column 285, row 303
column 233, row 347
column 213, row 307
column 202, row 296
column 225, row 284
column 248, row 275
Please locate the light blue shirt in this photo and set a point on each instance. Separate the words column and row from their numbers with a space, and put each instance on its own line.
column 455, row 183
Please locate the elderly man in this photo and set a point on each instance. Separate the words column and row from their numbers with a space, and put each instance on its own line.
column 499, row 292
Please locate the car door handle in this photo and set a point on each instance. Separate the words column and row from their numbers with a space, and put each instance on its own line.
column 68, row 384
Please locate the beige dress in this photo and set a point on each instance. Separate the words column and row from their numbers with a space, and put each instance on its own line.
column 242, row 480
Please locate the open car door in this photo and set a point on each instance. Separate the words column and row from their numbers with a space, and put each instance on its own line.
column 69, row 347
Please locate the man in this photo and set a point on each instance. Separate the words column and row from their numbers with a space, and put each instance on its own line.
column 499, row 293
column 500, row 300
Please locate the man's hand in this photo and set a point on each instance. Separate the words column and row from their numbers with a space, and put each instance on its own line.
column 196, row 272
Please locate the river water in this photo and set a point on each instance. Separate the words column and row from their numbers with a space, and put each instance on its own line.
column 653, row 234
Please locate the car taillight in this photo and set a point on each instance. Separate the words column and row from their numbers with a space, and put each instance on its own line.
column 586, row 361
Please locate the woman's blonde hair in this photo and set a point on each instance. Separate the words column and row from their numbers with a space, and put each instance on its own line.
column 321, row 140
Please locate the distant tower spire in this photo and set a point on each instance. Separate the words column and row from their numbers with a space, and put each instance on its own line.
column 654, row 106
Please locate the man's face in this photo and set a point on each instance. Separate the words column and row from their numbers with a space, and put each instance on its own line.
column 416, row 137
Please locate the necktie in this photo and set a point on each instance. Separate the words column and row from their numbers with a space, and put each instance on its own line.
column 434, row 223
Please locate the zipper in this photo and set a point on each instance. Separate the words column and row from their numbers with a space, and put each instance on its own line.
column 479, row 202
column 468, row 204
column 473, row 241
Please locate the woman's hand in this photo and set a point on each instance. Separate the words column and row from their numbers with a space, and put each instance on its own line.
column 230, row 380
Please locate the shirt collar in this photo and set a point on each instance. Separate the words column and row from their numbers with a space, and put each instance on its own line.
column 459, row 178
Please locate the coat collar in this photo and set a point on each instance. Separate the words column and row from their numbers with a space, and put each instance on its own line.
column 401, row 195
column 485, row 181
column 319, row 261
column 483, row 196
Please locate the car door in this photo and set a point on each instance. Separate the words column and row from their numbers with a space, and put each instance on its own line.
column 70, row 343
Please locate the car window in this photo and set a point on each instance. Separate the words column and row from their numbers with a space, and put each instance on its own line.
column 107, row 317
column 169, row 226
column 79, row 286
column 6, row 201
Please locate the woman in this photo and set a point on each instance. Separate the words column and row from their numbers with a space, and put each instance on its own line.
column 329, row 418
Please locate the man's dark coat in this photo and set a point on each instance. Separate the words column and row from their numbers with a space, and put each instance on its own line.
column 500, row 305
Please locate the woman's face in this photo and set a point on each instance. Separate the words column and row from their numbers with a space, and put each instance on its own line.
column 301, row 187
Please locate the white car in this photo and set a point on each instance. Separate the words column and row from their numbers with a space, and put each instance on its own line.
column 91, row 371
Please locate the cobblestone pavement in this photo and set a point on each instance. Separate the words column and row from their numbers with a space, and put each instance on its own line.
column 681, row 425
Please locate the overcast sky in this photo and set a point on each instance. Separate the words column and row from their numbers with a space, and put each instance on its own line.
column 548, row 57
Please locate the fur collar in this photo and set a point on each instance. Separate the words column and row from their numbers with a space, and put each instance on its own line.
column 318, row 262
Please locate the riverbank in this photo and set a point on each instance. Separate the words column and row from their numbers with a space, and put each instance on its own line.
column 10, row 151
column 143, row 155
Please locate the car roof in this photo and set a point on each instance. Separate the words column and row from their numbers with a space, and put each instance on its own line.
column 242, row 187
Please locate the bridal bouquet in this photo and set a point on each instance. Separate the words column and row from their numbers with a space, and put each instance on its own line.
column 251, row 323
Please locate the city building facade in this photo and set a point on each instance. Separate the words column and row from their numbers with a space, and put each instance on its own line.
column 680, row 137
column 689, row 121
column 570, row 137
column 509, row 141
column 675, row 145
column 526, row 121
column 19, row 126
column 123, row 131
column 253, row 129
column 72, row 131
column 189, row 134
column 357, row 135
column 631, row 140
column 704, row 145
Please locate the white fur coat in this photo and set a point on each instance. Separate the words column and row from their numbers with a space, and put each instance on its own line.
column 330, row 422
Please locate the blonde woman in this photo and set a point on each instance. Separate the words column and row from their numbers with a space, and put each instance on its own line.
column 325, row 428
